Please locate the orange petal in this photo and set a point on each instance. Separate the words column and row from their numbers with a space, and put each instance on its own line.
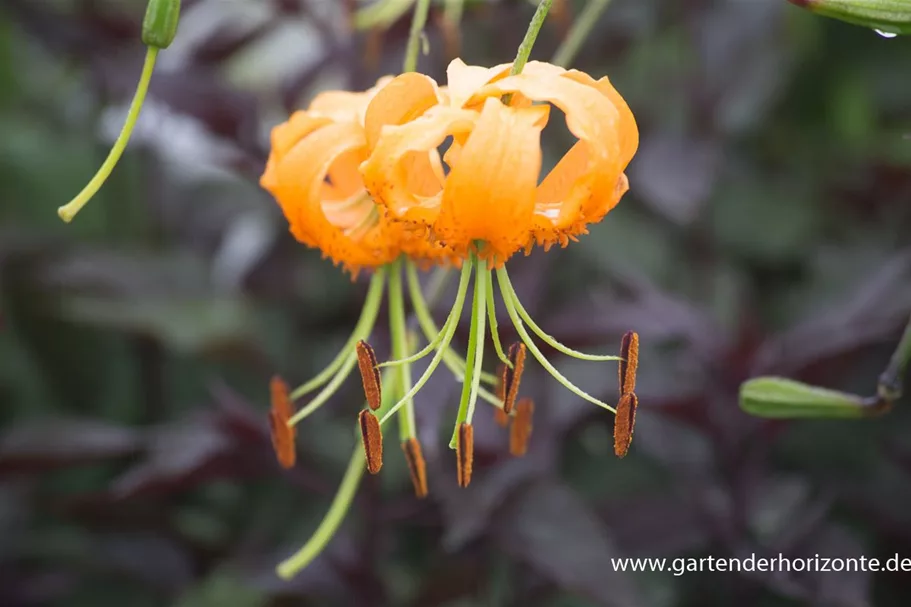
column 490, row 192
column 399, row 167
column 403, row 99
column 343, row 229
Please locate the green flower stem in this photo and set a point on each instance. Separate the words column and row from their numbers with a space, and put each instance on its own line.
column 523, row 334
column 582, row 28
column 400, row 348
column 494, row 332
column 364, row 326
column 455, row 363
column 553, row 343
column 444, row 344
column 381, row 14
column 68, row 211
column 330, row 523
column 890, row 382
column 414, row 37
column 341, row 503
column 452, row 11
column 537, row 21
column 475, row 354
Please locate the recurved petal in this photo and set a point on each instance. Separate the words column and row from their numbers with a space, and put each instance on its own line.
column 347, row 230
column 402, row 99
column 489, row 194
column 402, row 172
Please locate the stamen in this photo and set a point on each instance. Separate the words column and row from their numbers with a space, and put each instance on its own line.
column 624, row 423
column 510, row 295
column 370, row 375
column 520, row 431
column 475, row 352
column 372, row 437
column 465, row 453
column 454, row 362
column 511, row 378
column 455, row 312
column 416, row 466
column 283, row 435
column 362, row 329
column 494, row 332
column 526, row 338
column 500, row 415
column 629, row 351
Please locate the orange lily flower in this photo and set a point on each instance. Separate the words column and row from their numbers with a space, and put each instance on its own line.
column 312, row 172
column 491, row 193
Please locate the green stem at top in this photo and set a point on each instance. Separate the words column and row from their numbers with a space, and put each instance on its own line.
column 68, row 211
column 421, row 9
column 537, row 21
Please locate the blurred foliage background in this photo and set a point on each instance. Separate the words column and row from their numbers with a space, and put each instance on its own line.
column 766, row 231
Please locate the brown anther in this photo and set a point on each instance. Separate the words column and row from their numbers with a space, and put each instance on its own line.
column 521, row 428
column 629, row 352
column 283, row 435
column 511, row 378
column 501, row 417
column 465, row 453
column 372, row 437
column 370, row 374
column 624, row 423
column 416, row 466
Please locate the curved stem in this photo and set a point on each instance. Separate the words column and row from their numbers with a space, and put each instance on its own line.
column 414, row 37
column 399, row 337
column 517, row 322
column 494, row 332
column 579, row 33
column 363, row 328
column 330, row 523
column 475, row 354
column 68, row 211
column 444, row 344
column 537, row 21
column 553, row 343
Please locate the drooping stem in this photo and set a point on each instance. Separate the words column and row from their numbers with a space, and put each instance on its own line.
column 890, row 382
column 455, row 312
column 330, row 523
column 414, row 37
column 526, row 338
column 537, row 21
column 475, row 354
column 553, row 343
column 579, row 33
column 364, row 327
column 68, row 211
column 400, row 348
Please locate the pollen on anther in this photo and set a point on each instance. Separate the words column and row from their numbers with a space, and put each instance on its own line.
column 283, row 435
column 520, row 431
column 624, row 423
column 370, row 374
column 511, row 378
column 372, row 437
column 416, row 466
column 465, row 453
column 629, row 352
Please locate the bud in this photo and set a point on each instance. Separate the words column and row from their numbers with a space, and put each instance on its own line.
column 780, row 398
column 160, row 24
column 889, row 17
